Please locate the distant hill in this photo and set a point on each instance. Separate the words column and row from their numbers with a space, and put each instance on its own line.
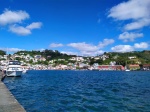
column 2, row 52
column 48, row 54
column 141, row 57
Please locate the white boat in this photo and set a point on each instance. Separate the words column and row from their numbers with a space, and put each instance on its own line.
column 127, row 70
column 14, row 69
column 24, row 71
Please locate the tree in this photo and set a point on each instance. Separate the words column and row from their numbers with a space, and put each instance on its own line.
column 18, row 58
column 2, row 52
column 8, row 57
column 31, row 61
column 121, row 61
column 99, row 61
column 92, row 61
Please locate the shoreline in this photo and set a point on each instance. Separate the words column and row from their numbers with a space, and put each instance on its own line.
column 8, row 102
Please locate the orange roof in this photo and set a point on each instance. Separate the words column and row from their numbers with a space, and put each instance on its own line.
column 134, row 65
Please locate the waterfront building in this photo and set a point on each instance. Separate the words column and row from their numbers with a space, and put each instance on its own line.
column 110, row 67
column 134, row 67
column 146, row 67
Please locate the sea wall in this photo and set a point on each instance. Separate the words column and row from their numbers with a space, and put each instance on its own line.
column 8, row 103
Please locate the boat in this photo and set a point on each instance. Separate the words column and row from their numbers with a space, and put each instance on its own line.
column 127, row 70
column 14, row 69
column 24, row 70
column 127, row 67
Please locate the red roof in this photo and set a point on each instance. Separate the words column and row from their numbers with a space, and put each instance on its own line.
column 146, row 65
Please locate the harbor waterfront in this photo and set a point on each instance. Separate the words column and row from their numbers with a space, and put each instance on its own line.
column 75, row 56
column 82, row 91
column 8, row 103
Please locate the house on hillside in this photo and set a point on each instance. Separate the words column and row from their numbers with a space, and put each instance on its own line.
column 5, row 57
column 134, row 67
column 97, row 58
column 146, row 67
column 104, row 57
column 79, row 59
column 83, row 66
column 132, row 57
column 110, row 67
column 37, row 57
column 1, row 56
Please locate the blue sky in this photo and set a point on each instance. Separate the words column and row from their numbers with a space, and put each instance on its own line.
column 81, row 27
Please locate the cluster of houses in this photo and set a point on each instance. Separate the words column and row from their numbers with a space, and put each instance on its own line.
column 80, row 63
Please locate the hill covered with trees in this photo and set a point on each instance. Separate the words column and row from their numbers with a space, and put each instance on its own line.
column 135, row 57
column 47, row 54
column 142, row 57
column 2, row 52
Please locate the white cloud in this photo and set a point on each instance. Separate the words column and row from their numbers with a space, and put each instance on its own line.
column 55, row 45
column 135, row 10
column 83, row 47
column 128, row 48
column 142, row 45
column 34, row 25
column 137, row 24
column 69, row 53
column 10, row 17
column 92, row 53
column 105, row 42
column 42, row 49
column 126, row 36
column 86, row 49
column 19, row 30
column 11, row 49
column 90, row 49
column 14, row 20
column 122, row 48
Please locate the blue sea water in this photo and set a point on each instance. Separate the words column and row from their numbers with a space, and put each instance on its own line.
column 82, row 91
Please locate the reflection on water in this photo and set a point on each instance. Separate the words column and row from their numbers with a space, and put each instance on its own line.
column 83, row 91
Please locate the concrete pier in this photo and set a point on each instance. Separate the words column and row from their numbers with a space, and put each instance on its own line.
column 8, row 103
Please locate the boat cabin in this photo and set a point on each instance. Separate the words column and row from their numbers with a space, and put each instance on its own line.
column 14, row 63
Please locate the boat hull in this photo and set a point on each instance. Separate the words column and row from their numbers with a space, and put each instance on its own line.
column 127, row 70
column 13, row 73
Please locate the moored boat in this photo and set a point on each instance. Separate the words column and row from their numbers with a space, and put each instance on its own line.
column 127, row 70
column 14, row 69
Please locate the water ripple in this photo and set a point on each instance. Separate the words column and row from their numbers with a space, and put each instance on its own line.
column 82, row 91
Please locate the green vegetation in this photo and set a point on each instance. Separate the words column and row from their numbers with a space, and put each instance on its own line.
column 137, row 57
column 2, row 52
column 142, row 57
column 47, row 54
column 99, row 61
